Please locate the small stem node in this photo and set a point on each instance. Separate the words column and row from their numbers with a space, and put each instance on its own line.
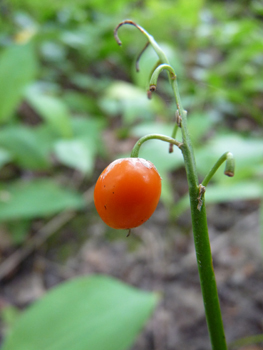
column 202, row 190
column 178, row 119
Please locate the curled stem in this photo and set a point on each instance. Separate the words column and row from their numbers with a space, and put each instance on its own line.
column 150, row 38
column 181, row 113
column 229, row 168
column 136, row 148
column 157, row 71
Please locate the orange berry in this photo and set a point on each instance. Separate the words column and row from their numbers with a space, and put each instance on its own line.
column 127, row 192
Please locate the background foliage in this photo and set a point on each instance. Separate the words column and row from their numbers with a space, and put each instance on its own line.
column 71, row 100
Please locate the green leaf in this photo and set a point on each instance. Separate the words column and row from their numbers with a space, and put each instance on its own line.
column 89, row 131
column 37, row 198
column 95, row 313
column 129, row 101
column 151, row 128
column 17, row 70
column 80, row 152
column 24, row 146
column 198, row 126
column 234, row 192
column 221, row 193
column 76, row 154
column 52, row 110
column 5, row 157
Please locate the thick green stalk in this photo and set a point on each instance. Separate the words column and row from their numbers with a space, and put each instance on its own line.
column 199, row 222
column 201, row 239
column 207, row 276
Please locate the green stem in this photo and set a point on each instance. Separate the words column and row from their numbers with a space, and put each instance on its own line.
column 136, row 148
column 229, row 169
column 200, row 230
column 198, row 214
column 150, row 38
column 175, row 129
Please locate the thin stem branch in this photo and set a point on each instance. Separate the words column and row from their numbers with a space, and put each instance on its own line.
column 136, row 148
column 173, row 136
column 140, row 55
column 229, row 169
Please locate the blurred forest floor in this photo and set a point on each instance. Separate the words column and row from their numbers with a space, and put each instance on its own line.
column 167, row 265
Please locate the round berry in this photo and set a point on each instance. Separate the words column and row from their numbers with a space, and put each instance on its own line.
column 127, row 192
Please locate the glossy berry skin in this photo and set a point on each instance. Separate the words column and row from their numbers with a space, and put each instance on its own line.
column 127, row 192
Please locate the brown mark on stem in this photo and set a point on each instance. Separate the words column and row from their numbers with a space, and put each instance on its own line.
column 229, row 173
column 127, row 21
column 199, row 198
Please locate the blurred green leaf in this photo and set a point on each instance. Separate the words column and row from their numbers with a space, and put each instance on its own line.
column 19, row 230
column 167, row 195
column 233, row 192
column 88, row 130
column 130, row 102
column 24, row 146
column 189, row 11
column 198, row 126
column 95, row 313
column 152, row 128
column 52, row 110
column 76, row 154
column 17, row 69
column 36, row 198
column 79, row 152
column 220, row 193
column 80, row 103
column 5, row 157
